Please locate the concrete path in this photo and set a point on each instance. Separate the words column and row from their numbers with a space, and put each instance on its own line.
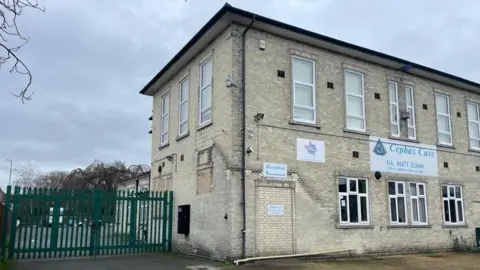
column 127, row 262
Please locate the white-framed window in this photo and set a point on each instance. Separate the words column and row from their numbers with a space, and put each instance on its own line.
column 444, row 124
column 473, row 114
column 418, row 203
column 355, row 100
column 205, row 108
column 303, row 74
column 353, row 200
column 397, row 202
column 394, row 109
column 183, row 107
column 410, row 102
column 165, row 117
column 452, row 196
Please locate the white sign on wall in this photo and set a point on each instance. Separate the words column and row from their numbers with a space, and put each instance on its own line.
column 403, row 157
column 310, row 150
column 275, row 210
column 275, row 170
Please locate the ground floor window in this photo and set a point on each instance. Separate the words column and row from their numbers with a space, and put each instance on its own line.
column 397, row 202
column 353, row 200
column 452, row 196
column 418, row 203
column 398, row 195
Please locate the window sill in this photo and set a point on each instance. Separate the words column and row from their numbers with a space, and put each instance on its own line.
column 408, row 226
column 454, row 226
column 474, row 150
column 348, row 226
column 179, row 137
column 205, row 125
column 293, row 122
column 446, row 146
column 403, row 139
column 366, row 133
column 163, row 146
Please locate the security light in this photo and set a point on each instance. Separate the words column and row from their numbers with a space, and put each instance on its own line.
column 259, row 116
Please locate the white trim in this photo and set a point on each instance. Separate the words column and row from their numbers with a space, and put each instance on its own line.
column 448, row 115
column 164, row 116
column 202, row 88
column 412, row 108
column 362, row 96
column 359, row 196
column 469, row 119
column 312, row 85
column 456, row 200
column 396, row 196
column 180, row 103
column 417, row 197
column 392, row 123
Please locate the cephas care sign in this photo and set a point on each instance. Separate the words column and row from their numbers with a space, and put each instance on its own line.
column 403, row 157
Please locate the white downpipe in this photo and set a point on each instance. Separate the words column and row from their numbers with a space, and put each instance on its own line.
column 237, row 262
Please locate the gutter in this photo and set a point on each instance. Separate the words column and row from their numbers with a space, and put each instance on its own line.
column 242, row 171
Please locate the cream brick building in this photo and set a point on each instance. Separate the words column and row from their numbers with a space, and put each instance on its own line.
column 330, row 115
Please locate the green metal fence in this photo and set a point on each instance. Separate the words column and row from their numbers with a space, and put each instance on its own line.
column 53, row 223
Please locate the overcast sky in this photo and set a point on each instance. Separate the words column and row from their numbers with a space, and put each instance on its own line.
column 90, row 58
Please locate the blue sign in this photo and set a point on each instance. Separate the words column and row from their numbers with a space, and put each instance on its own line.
column 275, row 170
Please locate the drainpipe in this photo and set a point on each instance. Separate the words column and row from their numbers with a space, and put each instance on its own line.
column 242, row 171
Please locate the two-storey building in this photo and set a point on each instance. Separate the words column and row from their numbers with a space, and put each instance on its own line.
column 284, row 141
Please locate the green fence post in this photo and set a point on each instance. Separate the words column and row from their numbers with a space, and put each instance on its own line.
column 13, row 223
column 133, row 222
column 164, row 220
column 170, row 220
column 6, row 213
column 97, row 204
column 55, row 222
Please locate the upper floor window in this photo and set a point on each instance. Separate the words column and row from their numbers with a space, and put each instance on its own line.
column 394, row 109
column 353, row 200
column 355, row 100
column 165, row 111
column 183, row 107
column 453, row 204
column 444, row 125
column 303, row 90
column 410, row 104
column 473, row 125
column 206, row 74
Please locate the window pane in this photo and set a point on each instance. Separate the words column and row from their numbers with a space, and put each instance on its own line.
column 165, row 104
column 342, row 185
column 411, row 133
column 165, row 123
column 392, row 92
column 460, row 211
column 445, row 209
column 423, row 210
column 184, row 91
column 303, row 114
column 475, row 143
column 453, row 212
column 353, row 208
column 441, row 104
column 164, row 138
column 451, row 192
column 362, row 186
column 394, row 129
column 355, row 106
column 458, row 194
column 401, row 210
column 413, row 189
column 473, row 130
column 353, row 185
column 206, row 75
column 183, row 128
column 393, row 209
column 400, row 188
column 408, row 93
column 363, row 208
column 303, row 70
column 303, row 95
column 421, row 190
column 443, row 123
column 353, row 83
column 472, row 112
column 393, row 113
column 343, row 208
column 444, row 191
column 410, row 120
column 183, row 112
column 391, row 188
column 415, row 209
column 206, row 116
column 206, row 98
column 354, row 123
column 444, row 138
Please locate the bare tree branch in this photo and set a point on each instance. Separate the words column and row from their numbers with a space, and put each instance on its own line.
column 11, row 40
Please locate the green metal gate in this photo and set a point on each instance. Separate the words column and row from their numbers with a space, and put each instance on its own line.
column 53, row 223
